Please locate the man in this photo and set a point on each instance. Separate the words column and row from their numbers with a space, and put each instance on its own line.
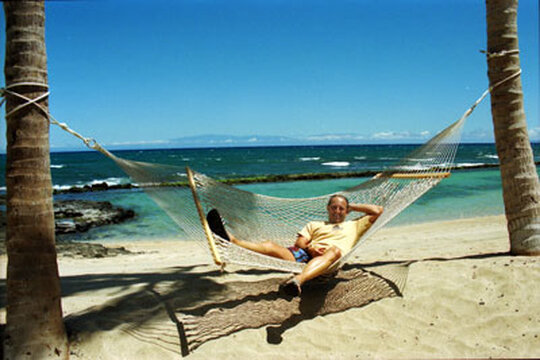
column 319, row 243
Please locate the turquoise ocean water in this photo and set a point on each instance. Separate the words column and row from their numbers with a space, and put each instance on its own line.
column 467, row 193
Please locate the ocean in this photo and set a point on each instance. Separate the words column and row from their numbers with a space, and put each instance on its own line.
column 469, row 192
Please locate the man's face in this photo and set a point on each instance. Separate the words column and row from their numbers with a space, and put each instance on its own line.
column 337, row 210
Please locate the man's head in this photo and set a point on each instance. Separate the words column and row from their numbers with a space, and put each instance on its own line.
column 338, row 208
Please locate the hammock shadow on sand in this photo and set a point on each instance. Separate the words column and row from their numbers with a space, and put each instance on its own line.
column 164, row 314
column 251, row 305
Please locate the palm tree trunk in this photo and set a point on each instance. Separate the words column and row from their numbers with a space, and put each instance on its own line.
column 521, row 188
column 34, row 326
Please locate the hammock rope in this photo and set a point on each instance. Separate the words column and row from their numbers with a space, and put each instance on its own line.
column 257, row 218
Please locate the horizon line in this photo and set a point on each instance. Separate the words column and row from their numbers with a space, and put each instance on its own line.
column 74, row 150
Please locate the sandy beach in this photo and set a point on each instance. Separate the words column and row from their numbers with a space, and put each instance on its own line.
column 465, row 297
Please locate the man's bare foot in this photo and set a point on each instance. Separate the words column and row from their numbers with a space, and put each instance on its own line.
column 291, row 287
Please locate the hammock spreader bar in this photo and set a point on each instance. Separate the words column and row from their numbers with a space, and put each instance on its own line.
column 207, row 232
column 414, row 176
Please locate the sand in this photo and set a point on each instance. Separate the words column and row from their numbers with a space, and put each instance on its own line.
column 465, row 297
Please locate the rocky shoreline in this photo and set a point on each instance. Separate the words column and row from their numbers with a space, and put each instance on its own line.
column 77, row 216
column 262, row 179
column 73, row 216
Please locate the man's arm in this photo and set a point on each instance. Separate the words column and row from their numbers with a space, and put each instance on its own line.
column 373, row 211
column 302, row 242
column 368, row 209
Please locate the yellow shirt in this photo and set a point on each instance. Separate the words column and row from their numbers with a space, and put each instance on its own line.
column 344, row 236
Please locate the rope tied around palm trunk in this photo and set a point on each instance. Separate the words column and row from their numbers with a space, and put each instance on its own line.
column 89, row 142
column 499, row 53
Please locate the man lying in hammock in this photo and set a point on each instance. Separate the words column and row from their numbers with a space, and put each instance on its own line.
column 319, row 243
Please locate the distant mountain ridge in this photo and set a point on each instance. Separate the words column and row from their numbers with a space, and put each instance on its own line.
column 214, row 140
column 229, row 140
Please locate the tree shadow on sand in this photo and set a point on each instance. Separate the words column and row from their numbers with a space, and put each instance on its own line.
column 181, row 310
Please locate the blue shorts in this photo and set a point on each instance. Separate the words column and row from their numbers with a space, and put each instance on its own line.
column 300, row 255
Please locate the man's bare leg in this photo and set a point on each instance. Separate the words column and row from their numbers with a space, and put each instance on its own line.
column 315, row 267
column 318, row 265
column 269, row 248
column 266, row 248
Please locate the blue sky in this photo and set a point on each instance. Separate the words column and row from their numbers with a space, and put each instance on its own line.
column 207, row 72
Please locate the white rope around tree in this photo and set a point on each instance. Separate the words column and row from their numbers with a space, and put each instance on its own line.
column 89, row 142
column 500, row 53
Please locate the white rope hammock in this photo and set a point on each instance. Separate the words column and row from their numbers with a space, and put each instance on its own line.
column 257, row 217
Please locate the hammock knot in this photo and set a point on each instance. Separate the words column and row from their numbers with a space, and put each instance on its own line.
column 63, row 126
column 90, row 142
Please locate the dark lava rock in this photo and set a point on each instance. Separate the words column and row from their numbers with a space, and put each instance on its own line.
column 87, row 250
column 103, row 186
column 80, row 215
column 72, row 216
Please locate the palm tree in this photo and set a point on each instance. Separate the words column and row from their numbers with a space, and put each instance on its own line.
column 34, row 327
column 521, row 188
